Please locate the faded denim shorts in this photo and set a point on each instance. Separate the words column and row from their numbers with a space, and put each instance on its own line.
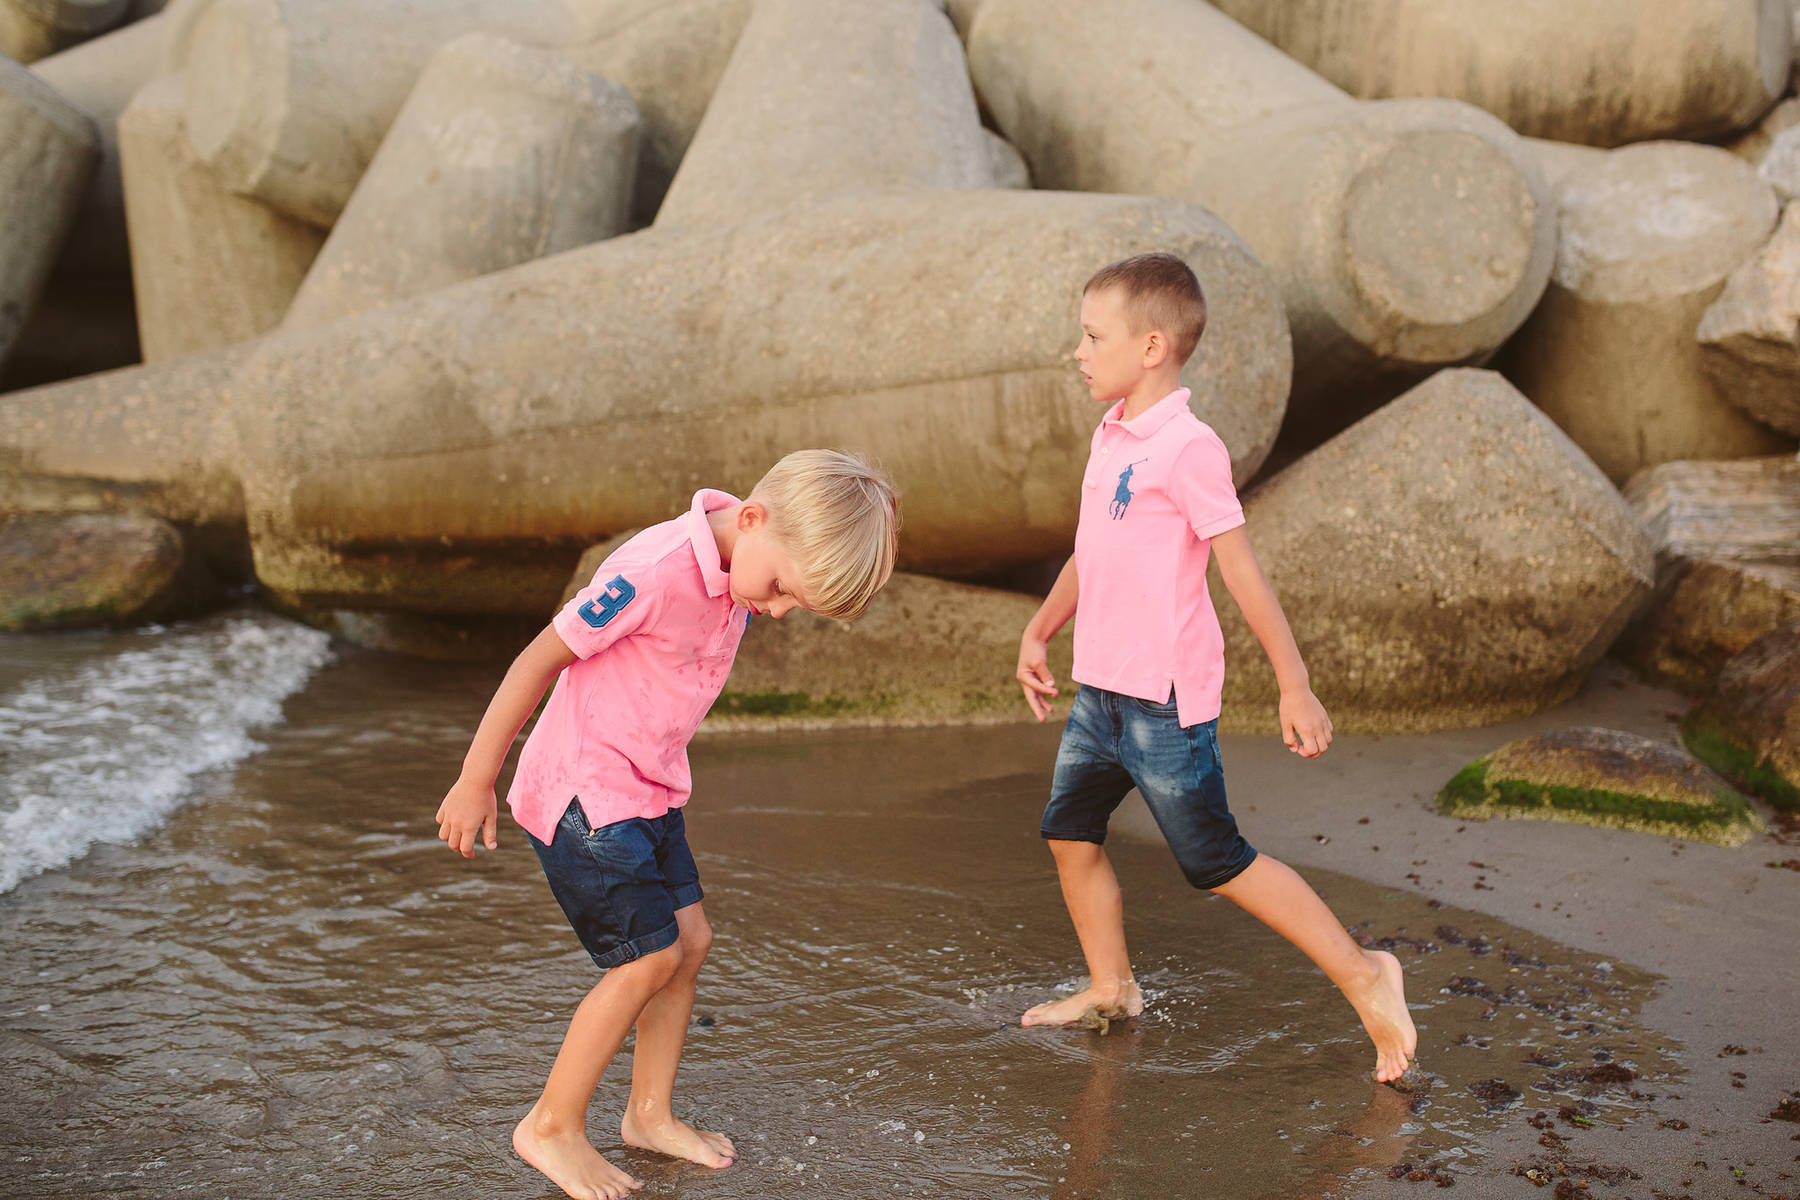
column 1112, row 743
column 620, row 884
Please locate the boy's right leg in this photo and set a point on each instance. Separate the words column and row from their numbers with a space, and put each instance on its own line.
column 553, row 1135
column 1090, row 888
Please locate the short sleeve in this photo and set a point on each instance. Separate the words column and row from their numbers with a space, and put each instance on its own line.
column 616, row 603
column 1201, row 489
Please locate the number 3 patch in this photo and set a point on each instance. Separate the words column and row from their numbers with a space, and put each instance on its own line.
column 608, row 604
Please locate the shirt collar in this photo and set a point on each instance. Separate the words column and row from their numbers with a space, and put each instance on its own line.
column 706, row 546
column 1152, row 418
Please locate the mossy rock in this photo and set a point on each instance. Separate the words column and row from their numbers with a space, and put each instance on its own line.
column 73, row 570
column 1748, row 729
column 1602, row 777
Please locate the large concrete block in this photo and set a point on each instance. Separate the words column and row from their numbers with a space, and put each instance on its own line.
column 502, row 154
column 1403, row 235
column 47, row 156
column 73, row 570
column 1452, row 560
column 1750, row 337
column 1604, row 72
column 209, row 268
column 825, row 96
column 1648, row 236
column 288, row 99
column 34, row 29
column 453, row 452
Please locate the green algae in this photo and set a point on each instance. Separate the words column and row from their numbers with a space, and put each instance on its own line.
column 1707, row 741
column 1470, row 793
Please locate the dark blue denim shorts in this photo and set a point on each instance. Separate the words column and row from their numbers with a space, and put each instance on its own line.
column 1113, row 743
column 620, row 884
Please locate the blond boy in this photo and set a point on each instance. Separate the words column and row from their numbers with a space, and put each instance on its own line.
column 1157, row 498
column 639, row 655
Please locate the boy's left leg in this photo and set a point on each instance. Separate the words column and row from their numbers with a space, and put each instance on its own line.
column 650, row 1123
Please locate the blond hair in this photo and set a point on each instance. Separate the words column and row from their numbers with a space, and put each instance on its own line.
column 1159, row 292
column 839, row 517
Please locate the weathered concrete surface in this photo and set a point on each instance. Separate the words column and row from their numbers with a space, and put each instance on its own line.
column 502, row 154
column 47, row 156
column 436, row 454
column 34, row 29
column 442, row 639
column 73, row 570
column 209, row 268
column 1780, row 165
column 1750, row 337
column 1603, row 73
column 1452, row 560
column 1605, row 777
column 1647, row 239
column 288, row 99
column 1727, row 537
column 1403, row 235
column 1748, row 729
column 82, row 324
column 1753, row 145
column 827, row 96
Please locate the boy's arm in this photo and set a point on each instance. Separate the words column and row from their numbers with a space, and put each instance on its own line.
column 469, row 809
column 1304, row 726
column 1034, row 656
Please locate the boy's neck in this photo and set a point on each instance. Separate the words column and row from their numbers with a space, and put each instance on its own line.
column 1150, row 391
column 723, row 522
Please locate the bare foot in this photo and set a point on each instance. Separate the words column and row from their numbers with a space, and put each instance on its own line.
column 569, row 1162
column 1382, row 1007
column 1113, row 1004
column 678, row 1139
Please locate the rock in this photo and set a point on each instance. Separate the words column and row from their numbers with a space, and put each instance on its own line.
column 1748, row 729
column 1452, row 560
column 209, row 268
column 1647, row 239
column 1404, row 235
column 66, row 571
column 441, row 639
column 32, row 29
column 1753, row 145
column 1750, row 336
column 1614, row 71
column 502, row 154
column 47, row 156
column 82, row 324
column 1005, row 163
column 1727, row 537
column 288, row 99
column 1603, row 777
column 927, row 651
column 1780, row 165
column 827, row 96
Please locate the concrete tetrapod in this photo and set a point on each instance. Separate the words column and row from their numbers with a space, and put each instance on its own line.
column 1648, row 236
column 1603, row 73
column 34, row 29
column 502, row 154
column 209, row 268
column 453, row 453
column 1750, row 337
column 1451, row 560
column 1403, row 234
column 47, row 156
column 826, row 96
column 288, row 99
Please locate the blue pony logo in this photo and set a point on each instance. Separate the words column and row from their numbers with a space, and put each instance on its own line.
column 1122, row 498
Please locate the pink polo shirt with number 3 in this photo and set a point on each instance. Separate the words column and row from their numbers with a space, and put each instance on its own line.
column 655, row 632
column 1156, row 492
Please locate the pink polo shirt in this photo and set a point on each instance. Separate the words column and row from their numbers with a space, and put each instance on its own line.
column 655, row 632
column 1156, row 491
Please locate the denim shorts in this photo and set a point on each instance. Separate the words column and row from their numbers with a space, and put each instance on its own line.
column 1112, row 743
column 620, row 884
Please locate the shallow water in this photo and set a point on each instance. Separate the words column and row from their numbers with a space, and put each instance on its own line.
column 292, row 989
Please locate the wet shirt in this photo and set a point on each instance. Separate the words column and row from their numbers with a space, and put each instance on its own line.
column 655, row 632
column 1156, row 491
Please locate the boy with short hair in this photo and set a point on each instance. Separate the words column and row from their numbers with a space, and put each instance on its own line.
column 1156, row 497
column 641, row 653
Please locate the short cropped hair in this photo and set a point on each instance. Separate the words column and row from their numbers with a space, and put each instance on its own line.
column 1160, row 292
column 839, row 517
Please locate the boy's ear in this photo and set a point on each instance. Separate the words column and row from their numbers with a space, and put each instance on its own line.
column 751, row 515
column 1156, row 348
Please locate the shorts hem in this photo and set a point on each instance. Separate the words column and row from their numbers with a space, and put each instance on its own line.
column 1227, row 876
column 637, row 947
column 686, row 896
column 1073, row 835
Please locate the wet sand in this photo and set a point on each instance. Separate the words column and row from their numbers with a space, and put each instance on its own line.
column 292, row 989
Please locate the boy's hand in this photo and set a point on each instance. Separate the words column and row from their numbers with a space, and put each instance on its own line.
column 467, row 813
column 1034, row 675
column 1304, row 726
